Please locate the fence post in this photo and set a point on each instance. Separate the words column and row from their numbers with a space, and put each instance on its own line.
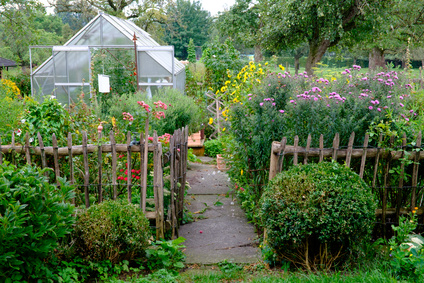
column 295, row 154
column 349, row 149
column 336, row 142
column 71, row 165
column 86, row 169
column 27, row 153
column 415, row 171
column 113, row 149
column 308, row 146
column 56, row 158
column 402, row 171
column 129, row 167
column 364, row 156
column 276, row 148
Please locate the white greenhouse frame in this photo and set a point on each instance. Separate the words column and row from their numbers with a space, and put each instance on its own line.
column 67, row 71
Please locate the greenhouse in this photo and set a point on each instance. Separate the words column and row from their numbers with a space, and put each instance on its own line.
column 107, row 44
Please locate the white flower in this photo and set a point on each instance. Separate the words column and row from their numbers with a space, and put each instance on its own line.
column 23, row 121
column 31, row 140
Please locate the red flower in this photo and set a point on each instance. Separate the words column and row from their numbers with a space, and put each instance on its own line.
column 126, row 179
column 133, row 176
column 121, row 170
column 133, row 171
column 137, row 177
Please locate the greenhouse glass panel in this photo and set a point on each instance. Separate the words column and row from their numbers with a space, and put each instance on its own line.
column 62, row 94
column 78, row 67
column 112, row 36
column 181, row 81
column 152, row 71
column 59, row 59
column 89, row 36
column 75, row 93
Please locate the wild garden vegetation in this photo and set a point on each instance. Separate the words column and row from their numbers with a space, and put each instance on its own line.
column 315, row 222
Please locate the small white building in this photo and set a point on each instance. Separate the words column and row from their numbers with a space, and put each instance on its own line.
column 67, row 72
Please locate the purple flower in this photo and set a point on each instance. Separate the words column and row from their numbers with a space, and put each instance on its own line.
column 379, row 109
column 281, row 111
column 365, row 78
column 292, row 101
column 328, row 105
column 407, row 119
column 389, row 96
column 273, row 104
column 401, row 105
column 370, row 107
column 261, row 104
column 401, row 97
column 411, row 111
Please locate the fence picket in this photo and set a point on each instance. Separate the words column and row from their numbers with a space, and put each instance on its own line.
column 321, row 147
column 401, row 176
column 13, row 149
column 308, row 146
column 43, row 154
column 114, row 161
column 86, row 169
column 129, row 166
column 415, row 171
column 386, row 187
column 100, row 163
column 71, row 164
column 295, row 155
column 27, row 153
column 364, row 156
column 56, row 158
column 377, row 160
column 349, row 149
column 336, row 142
column 143, row 190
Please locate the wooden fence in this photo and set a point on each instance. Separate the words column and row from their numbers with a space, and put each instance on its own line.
column 176, row 157
column 379, row 162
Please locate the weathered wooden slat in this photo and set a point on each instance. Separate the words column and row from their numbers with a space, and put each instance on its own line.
column 336, row 142
column 377, row 160
column 415, row 172
column 349, row 149
column 281, row 155
column 145, row 160
column 56, row 158
column 401, row 176
column 308, row 146
column 364, row 156
column 71, row 163
column 296, row 150
column 114, row 161
column 27, row 153
column 386, row 184
column 158, row 187
column 321, row 148
column 42, row 153
column 172, row 185
column 143, row 191
column 129, row 167
column 100, row 164
column 86, row 169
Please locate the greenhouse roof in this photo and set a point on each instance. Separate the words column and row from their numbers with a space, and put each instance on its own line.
column 106, row 30
column 7, row 63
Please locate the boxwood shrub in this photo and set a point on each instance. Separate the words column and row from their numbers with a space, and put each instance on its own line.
column 112, row 230
column 317, row 215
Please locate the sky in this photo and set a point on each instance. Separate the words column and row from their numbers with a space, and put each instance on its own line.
column 213, row 6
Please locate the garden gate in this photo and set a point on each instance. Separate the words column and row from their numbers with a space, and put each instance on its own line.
column 384, row 169
column 98, row 170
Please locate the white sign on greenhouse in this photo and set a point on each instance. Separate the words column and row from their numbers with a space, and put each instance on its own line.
column 67, row 72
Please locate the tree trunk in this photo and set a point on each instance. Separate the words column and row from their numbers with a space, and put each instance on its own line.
column 354, row 61
column 376, row 58
column 422, row 63
column 317, row 49
column 258, row 53
column 296, row 65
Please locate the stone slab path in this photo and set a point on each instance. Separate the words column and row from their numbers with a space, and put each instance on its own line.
column 221, row 231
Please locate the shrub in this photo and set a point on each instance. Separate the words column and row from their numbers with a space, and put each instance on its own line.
column 317, row 214
column 33, row 216
column 213, row 147
column 112, row 230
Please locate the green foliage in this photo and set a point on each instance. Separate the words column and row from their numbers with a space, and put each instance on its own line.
column 182, row 111
column 47, row 118
column 191, row 50
column 186, row 20
column 406, row 249
column 22, row 81
column 220, row 59
column 11, row 110
column 213, row 147
column 111, row 230
column 34, row 215
column 317, row 214
column 166, row 254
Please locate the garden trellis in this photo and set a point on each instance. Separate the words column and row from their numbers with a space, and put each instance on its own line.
column 176, row 157
column 68, row 71
column 393, row 199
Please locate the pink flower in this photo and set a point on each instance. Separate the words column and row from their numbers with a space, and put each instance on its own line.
column 370, row 107
column 261, row 104
column 401, row 105
column 281, row 111
column 379, row 109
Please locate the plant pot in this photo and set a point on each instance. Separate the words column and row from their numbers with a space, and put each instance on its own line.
column 220, row 162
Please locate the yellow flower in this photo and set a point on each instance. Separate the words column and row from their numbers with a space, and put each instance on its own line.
column 113, row 121
column 241, row 172
column 210, row 121
column 223, row 129
column 410, row 255
column 266, row 63
column 333, row 79
column 258, row 80
column 227, row 82
column 281, row 67
column 217, row 91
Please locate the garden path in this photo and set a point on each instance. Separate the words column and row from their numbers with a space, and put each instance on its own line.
column 220, row 230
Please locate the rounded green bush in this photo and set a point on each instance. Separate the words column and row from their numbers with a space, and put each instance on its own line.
column 112, row 230
column 34, row 215
column 317, row 214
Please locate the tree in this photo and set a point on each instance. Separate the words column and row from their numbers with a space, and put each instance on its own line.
column 321, row 23
column 244, row 23
column 20, row 27
column 191, row 50
column 148, row 14
column 186, row 20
